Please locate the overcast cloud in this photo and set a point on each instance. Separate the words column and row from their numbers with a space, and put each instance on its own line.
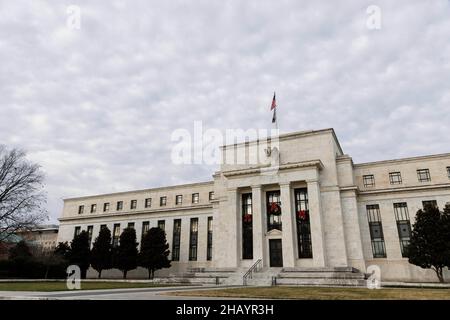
column 96, row 106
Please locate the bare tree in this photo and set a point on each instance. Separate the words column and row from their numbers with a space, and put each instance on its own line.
column 21, row 193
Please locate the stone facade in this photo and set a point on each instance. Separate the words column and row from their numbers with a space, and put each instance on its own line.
column 331, row 230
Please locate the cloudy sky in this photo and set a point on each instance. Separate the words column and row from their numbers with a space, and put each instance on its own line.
column 96, row 106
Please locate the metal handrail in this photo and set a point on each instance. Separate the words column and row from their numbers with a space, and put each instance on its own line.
column 249, row 273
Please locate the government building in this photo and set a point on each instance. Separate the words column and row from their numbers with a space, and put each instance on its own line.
column 314, row 210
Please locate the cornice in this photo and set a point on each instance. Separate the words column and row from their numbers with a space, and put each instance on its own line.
column 264, row 169
column 404, row 189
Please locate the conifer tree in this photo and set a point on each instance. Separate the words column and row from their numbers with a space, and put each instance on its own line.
column 126, row 253
column 101, row 252
column 154, row 251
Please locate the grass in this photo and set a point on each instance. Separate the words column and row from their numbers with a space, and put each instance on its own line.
column 61, row 286
column 321, row 293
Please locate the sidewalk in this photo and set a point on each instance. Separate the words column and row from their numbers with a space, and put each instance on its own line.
column 108, row 294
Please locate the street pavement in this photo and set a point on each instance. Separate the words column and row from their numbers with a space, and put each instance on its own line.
column 161, row 293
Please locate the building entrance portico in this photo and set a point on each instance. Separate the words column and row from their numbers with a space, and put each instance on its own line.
column 278, row 222
column 291, row 203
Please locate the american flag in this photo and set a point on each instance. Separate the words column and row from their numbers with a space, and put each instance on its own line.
column 273, row 107
column 274, row 103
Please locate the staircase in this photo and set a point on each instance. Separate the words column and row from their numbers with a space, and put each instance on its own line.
column 333, row 277
column 264, row 276
column 209, row 276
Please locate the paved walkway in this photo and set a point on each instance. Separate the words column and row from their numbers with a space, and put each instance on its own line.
column 109, row 294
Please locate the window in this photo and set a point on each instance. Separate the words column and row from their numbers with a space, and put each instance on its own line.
column 133, row 204
column 273, row 210
column 195, row 197
column 77, row 231
column 130, row 225
column 369, row 181
column 116, row 234
column 119, row 205
column 403, row 226
column 448, row 172
column 176, row 240
column 90, row 230
column 106, row 206
column 102, row 226
column 93, row 208
column 193, row 240
column 247, row 226
column 210, row 239
column 179, row 199
column 395, row 178
column 162, row 201
column 303, row 224
column 145, row 227
column 211, row 195
column 148, row 202
column 376, row 231
column 423, row 175
column 162, row 224
column 429, row 203
column 80, row 209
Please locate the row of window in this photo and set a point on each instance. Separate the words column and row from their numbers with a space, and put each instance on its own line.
column 423, row 175
column 403, row 227
column 176, row 236
column 147, row 203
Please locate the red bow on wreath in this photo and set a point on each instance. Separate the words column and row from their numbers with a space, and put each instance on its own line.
column 247, row 218
column 274, row 208
column 302, row 214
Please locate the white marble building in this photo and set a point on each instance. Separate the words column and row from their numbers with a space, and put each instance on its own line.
column 314, row 208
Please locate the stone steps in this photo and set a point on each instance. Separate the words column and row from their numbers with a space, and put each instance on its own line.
column 308, row 282
column 322, row 275
column 320, row 269
column 263, row 277
column 339, row 276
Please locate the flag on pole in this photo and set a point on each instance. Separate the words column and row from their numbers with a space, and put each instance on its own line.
column 274, row 108
column 274, row 102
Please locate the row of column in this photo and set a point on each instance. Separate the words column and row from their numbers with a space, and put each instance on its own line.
column 289, row 232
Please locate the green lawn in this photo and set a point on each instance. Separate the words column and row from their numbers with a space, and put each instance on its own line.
column 61, row 286
column 315, row 293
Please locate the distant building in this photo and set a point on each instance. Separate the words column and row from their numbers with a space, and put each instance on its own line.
column 42, row 238
column 7, row 244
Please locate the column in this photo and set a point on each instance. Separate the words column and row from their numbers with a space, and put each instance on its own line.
column 169, row 234
column 184, row 239
column 317, row 232
column 226, row 235
column 202, row 237
column 288, row 237
column 138, row 229
column 259, row 222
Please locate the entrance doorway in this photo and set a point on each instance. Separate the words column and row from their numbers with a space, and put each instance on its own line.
column 276, row 253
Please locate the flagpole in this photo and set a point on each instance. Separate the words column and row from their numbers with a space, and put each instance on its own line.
column 276, row 119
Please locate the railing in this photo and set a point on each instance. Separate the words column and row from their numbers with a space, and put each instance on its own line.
column 249, row 274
